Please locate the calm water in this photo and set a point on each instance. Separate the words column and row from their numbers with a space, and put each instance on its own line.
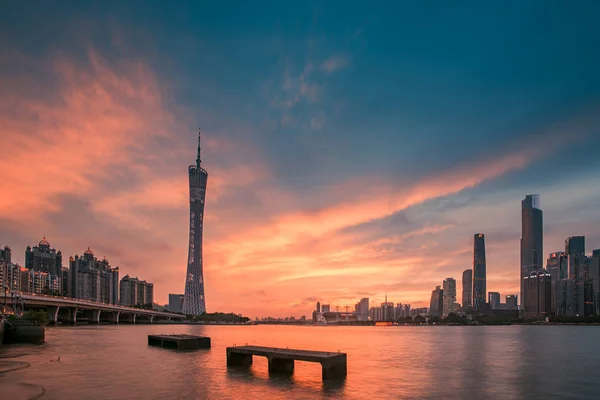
column 514, row 362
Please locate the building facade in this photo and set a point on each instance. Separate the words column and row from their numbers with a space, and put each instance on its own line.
column 436, row 305
column 531, row 238
column 494, row 300
column 135, row 292
column 467, row 289
column 479, row 273
column 43, row 258
column 449, row 296
column 512, row 302
column 175, row 302
column 92, row 279
column 194, row 302
column 538, row 290
column 575, row 295
column 556, row 265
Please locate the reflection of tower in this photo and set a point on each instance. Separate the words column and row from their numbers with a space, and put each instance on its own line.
column 193, row 301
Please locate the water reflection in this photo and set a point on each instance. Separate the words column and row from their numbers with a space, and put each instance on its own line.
column 398, row 362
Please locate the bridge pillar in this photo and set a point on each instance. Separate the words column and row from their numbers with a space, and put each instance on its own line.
column 239, row 359
column 53, row 314
column 133, row 318
column 281, row 365
column 95, row 317
column 113, row 317
column 152, row 319
column 72, row 315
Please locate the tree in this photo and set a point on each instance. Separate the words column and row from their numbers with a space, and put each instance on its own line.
column 419, row 319
column 408, row 319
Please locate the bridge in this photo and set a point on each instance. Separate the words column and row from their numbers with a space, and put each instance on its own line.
column 69, row 310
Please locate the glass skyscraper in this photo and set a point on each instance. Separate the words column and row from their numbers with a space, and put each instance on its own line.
column 531, row 238
column 467, row 289
column 193, row 300
column 479, row 273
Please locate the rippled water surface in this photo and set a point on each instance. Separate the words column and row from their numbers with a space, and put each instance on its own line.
column 115, row 362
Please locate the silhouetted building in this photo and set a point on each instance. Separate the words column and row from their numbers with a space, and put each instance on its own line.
column 512, row 302
column 479, row 273
column 557, row 268
column 363, row 309
column 576, row 293
column 175, row 302
column 43, row 258
column 6, row 254
column 594, row 267
column 494, row 300
column 92, row 279
column 194, row 302
column 318, row 307
column 387, row 310
column 531, row 238
column 467, row 289
column 436, row 305
column 538, row 290
column 325, row 308
column 449, row 296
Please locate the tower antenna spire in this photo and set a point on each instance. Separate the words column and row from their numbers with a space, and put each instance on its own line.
column 198, row 161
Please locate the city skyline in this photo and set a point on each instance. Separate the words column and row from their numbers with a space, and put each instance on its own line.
column 340, row 169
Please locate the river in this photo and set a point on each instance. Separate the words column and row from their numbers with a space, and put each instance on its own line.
column 486, row 362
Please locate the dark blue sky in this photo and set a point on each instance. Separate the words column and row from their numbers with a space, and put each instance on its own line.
column 372, row 120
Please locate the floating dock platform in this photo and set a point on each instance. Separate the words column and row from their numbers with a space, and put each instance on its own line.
column 334, row 365
column 180, row 342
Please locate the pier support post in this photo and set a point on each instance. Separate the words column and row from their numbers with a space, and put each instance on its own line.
column 335, row 368
column 152, row 319
column 53, row 314
column 238, row 359
column 281, row 365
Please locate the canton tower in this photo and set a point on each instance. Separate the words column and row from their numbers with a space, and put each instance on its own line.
column 193, row 301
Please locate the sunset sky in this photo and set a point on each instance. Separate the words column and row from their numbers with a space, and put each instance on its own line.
column 351, row 150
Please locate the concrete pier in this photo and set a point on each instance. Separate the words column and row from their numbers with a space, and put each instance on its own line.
column 180, row 342
column 333, row 365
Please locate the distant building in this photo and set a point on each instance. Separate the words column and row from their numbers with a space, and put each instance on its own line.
column 436, row 305
column 325, row 308
column 575, row 293
column 363, row 309
column 556, row 265
column 387, row 310
column 467, row 288
column 538, row 290
column 175, row 302
column 594, row 268
column 376, row 314
column 479, row 273
column 136, row 292
column 43, row 258
column 318, row 307
column 532, row 239
column 92, row 279
column 6, row 254
column 449, row 296
column 494, row 300
column 512, row 302
column 38, row 282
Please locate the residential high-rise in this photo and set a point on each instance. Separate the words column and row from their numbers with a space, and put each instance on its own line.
column 576, row 291
column 467, row 289
column 194, row 302
column 494, row 300
column 449, row 295
column 92, row 279
column 594, row 270
column 43, row 258
column 136, row 292
column 6, row 254
column 436, row 305
column 538, row 290
column 479, row 273
column 531, row 238
column 318, row 307
column 175, row 302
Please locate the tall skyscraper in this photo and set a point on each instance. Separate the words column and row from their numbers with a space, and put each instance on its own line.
column 479, row 273
column 537, row 289
column 318, row 307
column 449, row 295
column 467, row 289
column 594, row 268
column 92, row 279
column 494, row 300
column 364, row 308
column 193, row 301
column 557, row 268
column 531, row 238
